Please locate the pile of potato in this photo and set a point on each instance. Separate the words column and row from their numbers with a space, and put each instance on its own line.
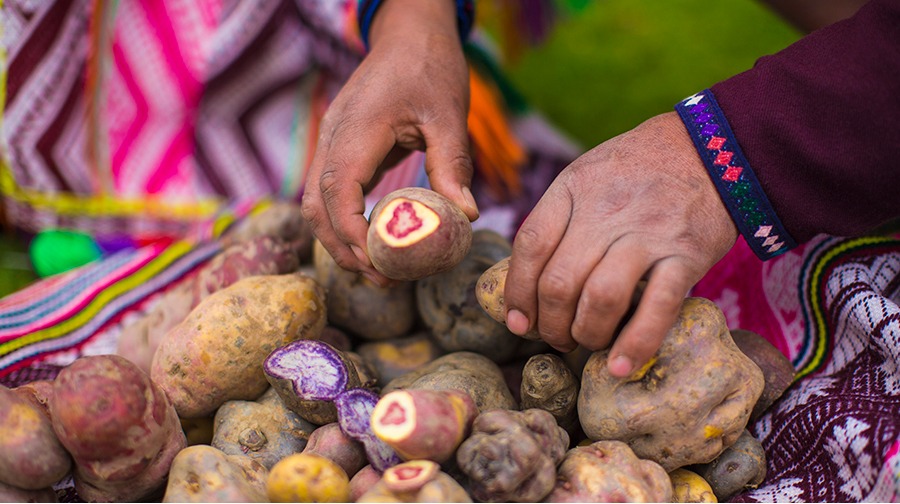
column 272, row 375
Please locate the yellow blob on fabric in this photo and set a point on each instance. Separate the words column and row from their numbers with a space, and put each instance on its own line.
column 57, row 251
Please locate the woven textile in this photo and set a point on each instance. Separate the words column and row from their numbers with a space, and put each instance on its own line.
column 831, row 306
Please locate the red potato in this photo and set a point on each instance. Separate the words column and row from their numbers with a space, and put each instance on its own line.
column 362, row 481
column 331, row 442
column 424, row 424
column 415, row 233
column 31, row 456
column 119, row 426
column 416, row 481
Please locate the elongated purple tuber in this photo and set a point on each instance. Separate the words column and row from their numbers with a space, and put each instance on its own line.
column 354, row 412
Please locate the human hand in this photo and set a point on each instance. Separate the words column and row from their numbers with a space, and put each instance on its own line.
column 638, row 206
column 410, row 92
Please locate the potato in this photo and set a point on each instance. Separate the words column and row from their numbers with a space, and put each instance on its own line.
column 776, row 368
column 31, row 456
column 448, row 306
column 688, row 486
column 9, row 493
column 740, row 467
column 415, row 481
column 397, row 356
column 467, row 371
column 608, row 471
column 217, row 353
column 307, row 477
column 690, row 402
column 416, row 232
column 361, row 306
column 490, row 293
column 264, row 430
column 119, row 426
column 202, row 473
column 260, row 256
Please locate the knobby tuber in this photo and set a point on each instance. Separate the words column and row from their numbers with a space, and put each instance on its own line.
column 511, row 456
column 549, row 384
column 202, row 473
column 264, row 430
column 609, row 471
column 690, row 402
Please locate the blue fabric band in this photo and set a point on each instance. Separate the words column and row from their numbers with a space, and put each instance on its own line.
column 465, row 17
column 737, row 184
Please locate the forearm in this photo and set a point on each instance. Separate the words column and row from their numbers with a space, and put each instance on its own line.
column 818, row 125
column 393, row 17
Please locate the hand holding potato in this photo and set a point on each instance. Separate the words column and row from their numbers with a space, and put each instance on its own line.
column 410, row 92
column 640, row 205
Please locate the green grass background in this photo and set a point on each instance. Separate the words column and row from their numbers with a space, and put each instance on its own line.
column 603, row 70
column 617, row 62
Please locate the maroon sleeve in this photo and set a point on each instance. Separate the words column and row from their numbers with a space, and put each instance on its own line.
column 819, row 123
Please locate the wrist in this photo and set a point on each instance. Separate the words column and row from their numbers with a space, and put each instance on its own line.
column 734, row 179
column 403, row 17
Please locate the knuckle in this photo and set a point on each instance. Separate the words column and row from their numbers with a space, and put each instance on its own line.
column 528, row 242
column 554, row 287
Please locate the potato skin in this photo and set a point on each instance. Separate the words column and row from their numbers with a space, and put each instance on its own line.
column 217, row 353
column 448, row 305
column 119, row 426
column 31, row 456
column 436, row 252
column 202, row 473
column 264, row 430
column 468, row 371
column 362, row 307
column 688, row 404
column 608, row 471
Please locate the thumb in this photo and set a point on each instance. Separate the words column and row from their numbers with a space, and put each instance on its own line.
column 448, row 165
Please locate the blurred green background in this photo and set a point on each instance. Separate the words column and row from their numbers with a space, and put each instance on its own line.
column 614, row 63
column 606, row 67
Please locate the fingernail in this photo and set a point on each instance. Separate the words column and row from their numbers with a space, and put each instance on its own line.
column 470, row 200
column 620, row 366
column 517, row 322
column 358, row 252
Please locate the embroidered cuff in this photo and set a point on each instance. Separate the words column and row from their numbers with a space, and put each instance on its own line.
column 737, row 185
column 365, row 12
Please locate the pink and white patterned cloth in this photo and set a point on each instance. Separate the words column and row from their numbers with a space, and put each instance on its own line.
column 831, row 306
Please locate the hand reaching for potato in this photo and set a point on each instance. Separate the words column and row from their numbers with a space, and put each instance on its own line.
column 639, row 206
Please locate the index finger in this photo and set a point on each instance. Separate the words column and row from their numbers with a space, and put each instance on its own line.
column 334, row 202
